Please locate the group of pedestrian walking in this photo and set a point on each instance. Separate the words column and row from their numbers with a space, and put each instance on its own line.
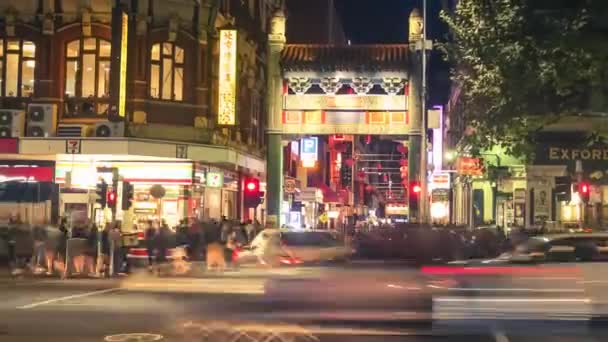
column 192, row 238
column 81, row 250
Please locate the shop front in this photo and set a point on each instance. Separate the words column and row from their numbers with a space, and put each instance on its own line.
column 571, row 153
column 27, row 191
column 161, row 188
column 215, row 193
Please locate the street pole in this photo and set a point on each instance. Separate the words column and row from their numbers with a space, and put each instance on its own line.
column 423, row 155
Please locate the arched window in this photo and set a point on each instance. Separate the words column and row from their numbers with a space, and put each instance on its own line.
column 17, row 64
column 87, row 75
column 166, row 72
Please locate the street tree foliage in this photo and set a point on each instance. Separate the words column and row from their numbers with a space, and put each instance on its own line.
column 520, row 65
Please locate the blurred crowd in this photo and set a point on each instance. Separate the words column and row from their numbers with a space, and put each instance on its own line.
column 85, row 250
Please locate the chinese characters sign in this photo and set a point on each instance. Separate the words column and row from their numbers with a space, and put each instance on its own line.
column 124, row 40
column 226, row 111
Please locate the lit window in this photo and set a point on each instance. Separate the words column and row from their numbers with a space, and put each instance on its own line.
column 87, row 77
column 167, row 72
column 18, row 59
column 88, row 68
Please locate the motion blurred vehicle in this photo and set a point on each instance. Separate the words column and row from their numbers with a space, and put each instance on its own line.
column 279, row 247
column 560, row 277
column 418, row 245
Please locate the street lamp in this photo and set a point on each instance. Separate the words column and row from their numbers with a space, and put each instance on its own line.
column 450, row 156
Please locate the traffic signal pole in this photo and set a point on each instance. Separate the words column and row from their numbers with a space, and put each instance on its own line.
column 581, row 205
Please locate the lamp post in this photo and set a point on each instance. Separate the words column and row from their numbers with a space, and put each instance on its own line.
column 424, row 205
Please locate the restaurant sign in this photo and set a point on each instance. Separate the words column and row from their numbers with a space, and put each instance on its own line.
column 469, row 166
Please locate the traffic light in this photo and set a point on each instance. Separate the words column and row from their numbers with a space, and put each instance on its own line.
column 102, row 192
column 346, row 175
column 414, row 191
column 111, row 199
column 252, row 197
column 128, row 192
column 563, row 188
column 583, row 191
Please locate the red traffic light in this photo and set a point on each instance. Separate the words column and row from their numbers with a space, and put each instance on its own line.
column 111, row 197
column 252, row 185
column 416, row 188
column 585, row 188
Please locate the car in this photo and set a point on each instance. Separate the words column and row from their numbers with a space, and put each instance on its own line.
column 546, row 277
column 293, row 247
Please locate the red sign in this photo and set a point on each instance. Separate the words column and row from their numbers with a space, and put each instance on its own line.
column 9, row 145
column 470, row 166
column 26, row 173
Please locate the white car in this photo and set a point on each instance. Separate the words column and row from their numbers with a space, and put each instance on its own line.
column 279, row 247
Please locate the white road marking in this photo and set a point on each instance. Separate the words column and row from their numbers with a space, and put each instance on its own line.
column 60, row 299
column 512, row 300
column 499, row 336
column 506, row 289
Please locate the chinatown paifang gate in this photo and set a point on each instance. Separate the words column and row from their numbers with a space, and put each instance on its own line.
column 304, row 98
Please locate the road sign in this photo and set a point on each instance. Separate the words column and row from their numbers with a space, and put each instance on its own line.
column 290, row 186
column 72, row 146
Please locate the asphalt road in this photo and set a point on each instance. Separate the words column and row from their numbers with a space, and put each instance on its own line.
column 220, row 308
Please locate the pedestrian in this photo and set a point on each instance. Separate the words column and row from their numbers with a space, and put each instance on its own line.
column 105, row 249
column 194, row 240
column 11, row 241
column 250, row 230
column 161, row 243
column 115, row 237
column 149, row 236
column 91, row 253
column 77, row 246
column 51, row 244
column 39, row 235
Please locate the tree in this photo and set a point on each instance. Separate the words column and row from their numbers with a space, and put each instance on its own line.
column 520, row 66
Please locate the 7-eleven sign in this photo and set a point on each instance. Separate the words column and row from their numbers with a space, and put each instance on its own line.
column 72, row 146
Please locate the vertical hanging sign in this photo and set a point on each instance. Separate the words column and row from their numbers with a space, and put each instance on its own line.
column 118, row 64
column 226, row 111
column 124, row 44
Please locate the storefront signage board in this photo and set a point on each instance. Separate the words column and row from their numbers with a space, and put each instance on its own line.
column 26, row 171
column 215, row 179
column 469, row 166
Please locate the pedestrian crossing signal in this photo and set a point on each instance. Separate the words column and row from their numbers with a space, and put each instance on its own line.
column 128, row 192
column 111, row 200
column 101, row 190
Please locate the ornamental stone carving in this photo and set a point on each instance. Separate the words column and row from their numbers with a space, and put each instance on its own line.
column 330, row 85
column 392, row 85
column 86, row 22
column 299, row 85
column 361, row 85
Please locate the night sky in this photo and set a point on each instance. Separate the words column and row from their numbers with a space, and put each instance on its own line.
column 386, row 21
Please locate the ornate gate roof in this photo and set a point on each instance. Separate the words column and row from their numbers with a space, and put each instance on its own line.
column 354, row 58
